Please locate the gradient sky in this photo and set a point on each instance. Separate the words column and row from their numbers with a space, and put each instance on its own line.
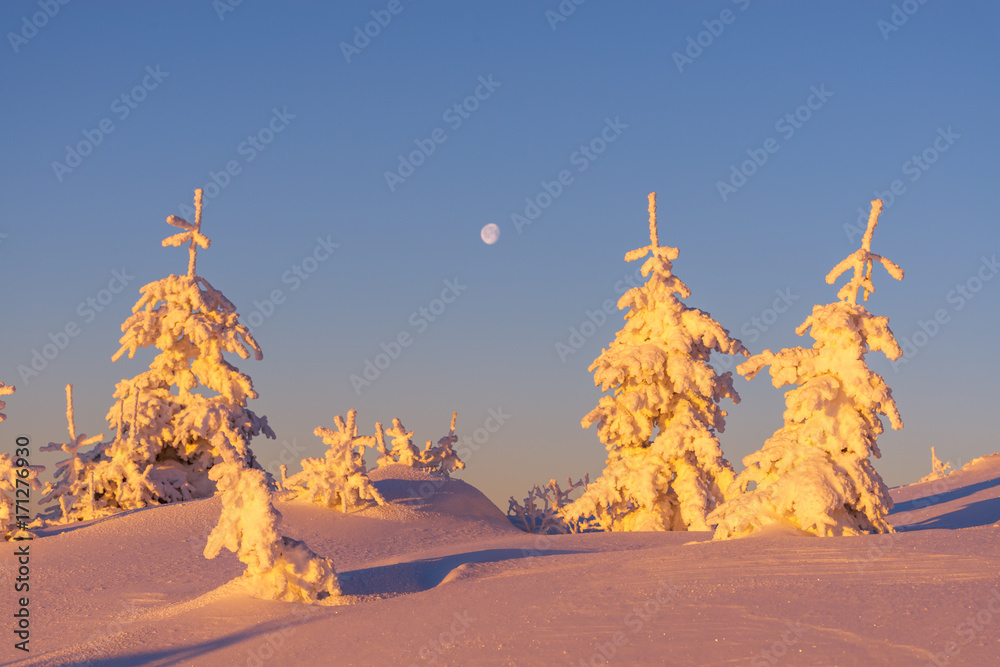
column 225, row 74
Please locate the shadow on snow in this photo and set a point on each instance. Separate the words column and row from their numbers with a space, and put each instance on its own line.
column 425, row 574
column 979, row 513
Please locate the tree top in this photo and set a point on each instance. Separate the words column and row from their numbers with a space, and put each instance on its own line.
column 191, row 234
column 861, row 261
column 654, row 246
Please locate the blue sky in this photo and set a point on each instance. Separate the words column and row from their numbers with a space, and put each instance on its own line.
column 836, row 102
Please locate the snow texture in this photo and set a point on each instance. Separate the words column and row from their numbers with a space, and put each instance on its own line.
column 665, row 469
column 453, row 583
column 814, row 474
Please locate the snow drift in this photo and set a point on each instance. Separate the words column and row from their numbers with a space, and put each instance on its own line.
column 437, row 576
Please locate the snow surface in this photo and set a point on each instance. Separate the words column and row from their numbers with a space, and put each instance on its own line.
column 438, row 576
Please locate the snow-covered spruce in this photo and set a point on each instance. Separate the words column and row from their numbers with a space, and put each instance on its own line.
column 339, row 480
column 546, row 518
column 658, row 368
column 402, row 451
column 171, row 447
column 442, row 459
column 814, row 473
column 73, row 486
column 278, row 568
column 9, row 477
column 165, row 417
column 939, row 470
column 210, row 435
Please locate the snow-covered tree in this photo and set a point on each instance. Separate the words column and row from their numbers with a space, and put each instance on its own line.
column 166, row 417
column 938, row 469
column 196, row 442
column 10, row 474
column 73, row 488
column 278, row 567
column 440, row 459
column 402, row 451
column 339, row 479
column 665, row 469
column 546, row 519
column 814, row 474
column 202, row 435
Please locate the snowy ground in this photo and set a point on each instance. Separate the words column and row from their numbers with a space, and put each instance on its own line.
column 441, row 578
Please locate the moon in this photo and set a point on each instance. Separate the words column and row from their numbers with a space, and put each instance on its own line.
column 490, row 234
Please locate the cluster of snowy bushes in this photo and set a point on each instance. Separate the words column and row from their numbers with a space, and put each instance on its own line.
column 340, row 478
column 547, row 518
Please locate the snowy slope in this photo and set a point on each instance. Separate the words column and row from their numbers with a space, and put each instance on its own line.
column 438, row 577
column 965, row 498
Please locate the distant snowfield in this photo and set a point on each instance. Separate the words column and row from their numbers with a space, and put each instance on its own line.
column 440, row 577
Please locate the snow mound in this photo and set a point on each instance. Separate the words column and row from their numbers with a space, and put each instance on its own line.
column 964, row 498
column 423, row 493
